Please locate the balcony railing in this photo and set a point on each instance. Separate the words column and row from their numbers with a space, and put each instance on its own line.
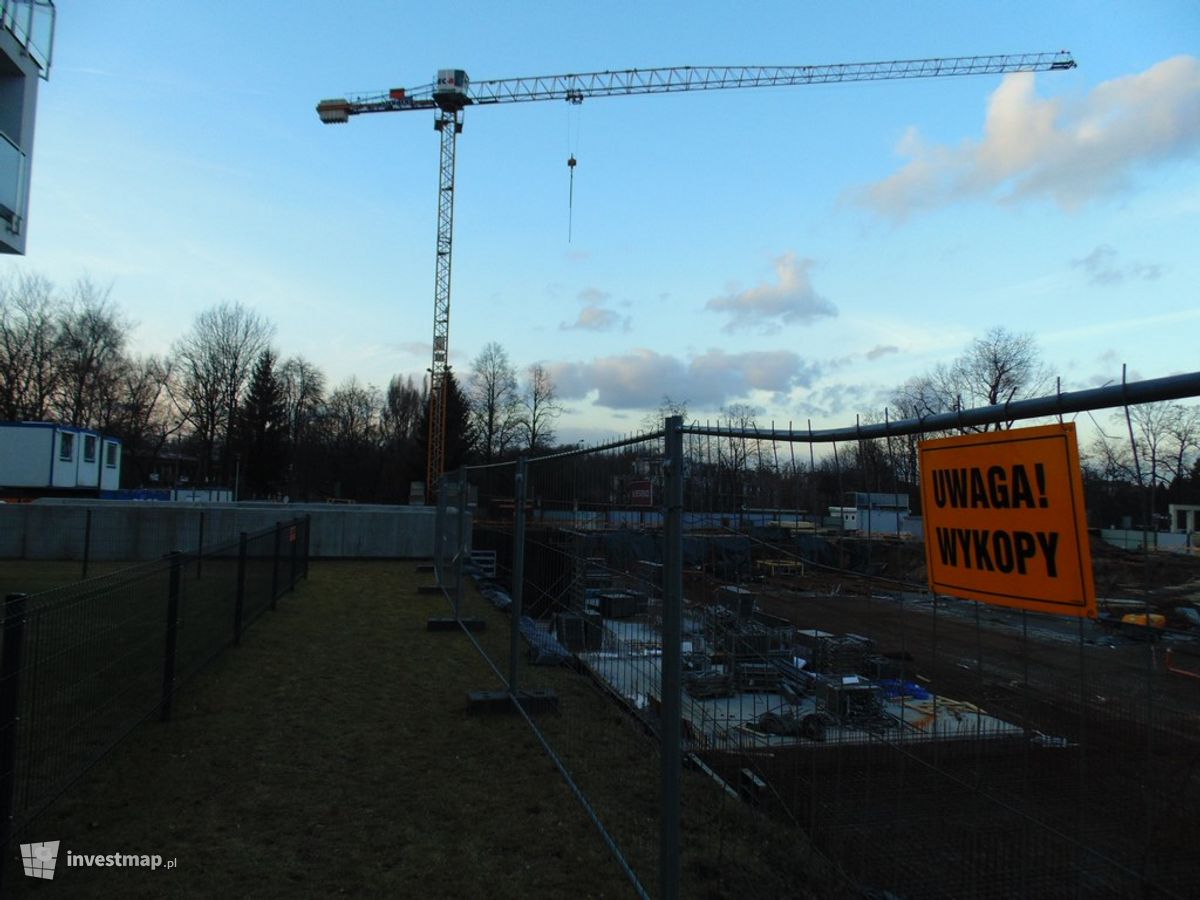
column 12, row 183
column 32, row 23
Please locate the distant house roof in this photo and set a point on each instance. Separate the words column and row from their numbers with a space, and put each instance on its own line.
column 873, row 500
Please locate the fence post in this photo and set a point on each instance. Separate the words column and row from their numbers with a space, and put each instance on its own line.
column 461, row 542
column 240, row 597
column 518, row 573
column 87, row 540
column 672, row 664
column 293, row 539
column 439, row 534
column 307, row 542
column 200, row 546
column 168, row 677
column 275, row 566
column 10, row 705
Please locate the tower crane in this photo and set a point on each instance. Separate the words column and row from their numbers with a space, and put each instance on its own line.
column 453, row 91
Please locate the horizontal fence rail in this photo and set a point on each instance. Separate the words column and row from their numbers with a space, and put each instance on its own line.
column 82, row 665
column 1156, row 390
column 759, row 694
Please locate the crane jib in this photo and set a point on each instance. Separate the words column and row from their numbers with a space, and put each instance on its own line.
column 455, row 91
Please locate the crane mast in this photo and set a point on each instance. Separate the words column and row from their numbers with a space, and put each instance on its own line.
column 448, row 124
column 452, row 91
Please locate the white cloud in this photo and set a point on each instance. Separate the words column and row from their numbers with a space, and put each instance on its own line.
column 593, row 296
column 792, row 299
column 637, row 380
column 837, row 399
column 1102, row 268
column 881, row 350
column 1070, row 150
column 596, row 318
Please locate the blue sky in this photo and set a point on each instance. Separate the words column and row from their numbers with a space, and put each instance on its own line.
column 802, row 250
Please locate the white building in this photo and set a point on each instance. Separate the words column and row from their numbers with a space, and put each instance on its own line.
column 42, row 456
column 877, row 514
column 1185, row 518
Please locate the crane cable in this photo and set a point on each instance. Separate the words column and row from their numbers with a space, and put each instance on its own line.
column 574, row 102
column 570, row 196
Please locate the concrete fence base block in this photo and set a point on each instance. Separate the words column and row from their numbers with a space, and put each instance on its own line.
column 447, row 624
column 532, row 701
column 425, row 568
column 429, row 589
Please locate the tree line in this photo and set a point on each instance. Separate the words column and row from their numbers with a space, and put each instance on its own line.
column 226, row 408
column 224, row 404
column 1140, row 459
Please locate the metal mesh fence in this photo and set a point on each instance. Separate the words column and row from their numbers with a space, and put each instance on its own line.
column 82, row 665
column 926, row 745
column 759, row 693
column 89, row 539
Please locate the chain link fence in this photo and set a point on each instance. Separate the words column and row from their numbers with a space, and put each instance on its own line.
column 759, row 694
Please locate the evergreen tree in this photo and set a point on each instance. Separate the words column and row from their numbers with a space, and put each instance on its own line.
column 262, row 422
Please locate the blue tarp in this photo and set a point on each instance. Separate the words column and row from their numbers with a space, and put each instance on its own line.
column 496, row 597
column 544, row 648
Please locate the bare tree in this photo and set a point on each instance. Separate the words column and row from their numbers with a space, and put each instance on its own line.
column 214, row 361
column 303, row 395
column 1183, row 429
column 494, row 400
column 736, row 455
column 667, row 407
column 1001, row 367
column 1152, row 446
column 401, row 411
column 143, row 414
column 541, row 408
column 351, row 416
column 29, row 373
column 998, row 368
column 926, row 395
column 739, row 453
column 303, row 392
column 90, row 356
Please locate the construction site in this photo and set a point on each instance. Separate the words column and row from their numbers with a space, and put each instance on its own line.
column 944, row 644
column 925, row 745
column 924, row 738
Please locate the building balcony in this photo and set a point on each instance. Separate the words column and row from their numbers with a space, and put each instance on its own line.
column 31, row 22
column 13, row 178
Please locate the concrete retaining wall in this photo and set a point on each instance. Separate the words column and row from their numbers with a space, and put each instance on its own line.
column 136, row 531
column 1128, row 539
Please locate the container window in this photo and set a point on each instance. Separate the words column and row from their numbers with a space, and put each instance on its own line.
column 66, row 447
column 110, row 455
column 89, row 448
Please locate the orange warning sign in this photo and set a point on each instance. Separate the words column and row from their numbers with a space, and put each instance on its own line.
column 1004, row 519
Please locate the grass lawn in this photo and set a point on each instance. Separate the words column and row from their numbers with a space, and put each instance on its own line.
column 332, row 754
column 19, row 576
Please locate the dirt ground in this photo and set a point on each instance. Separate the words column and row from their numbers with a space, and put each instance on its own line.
column 1118, row 771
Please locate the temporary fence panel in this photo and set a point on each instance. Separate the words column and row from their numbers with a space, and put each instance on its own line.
column 840, row 727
